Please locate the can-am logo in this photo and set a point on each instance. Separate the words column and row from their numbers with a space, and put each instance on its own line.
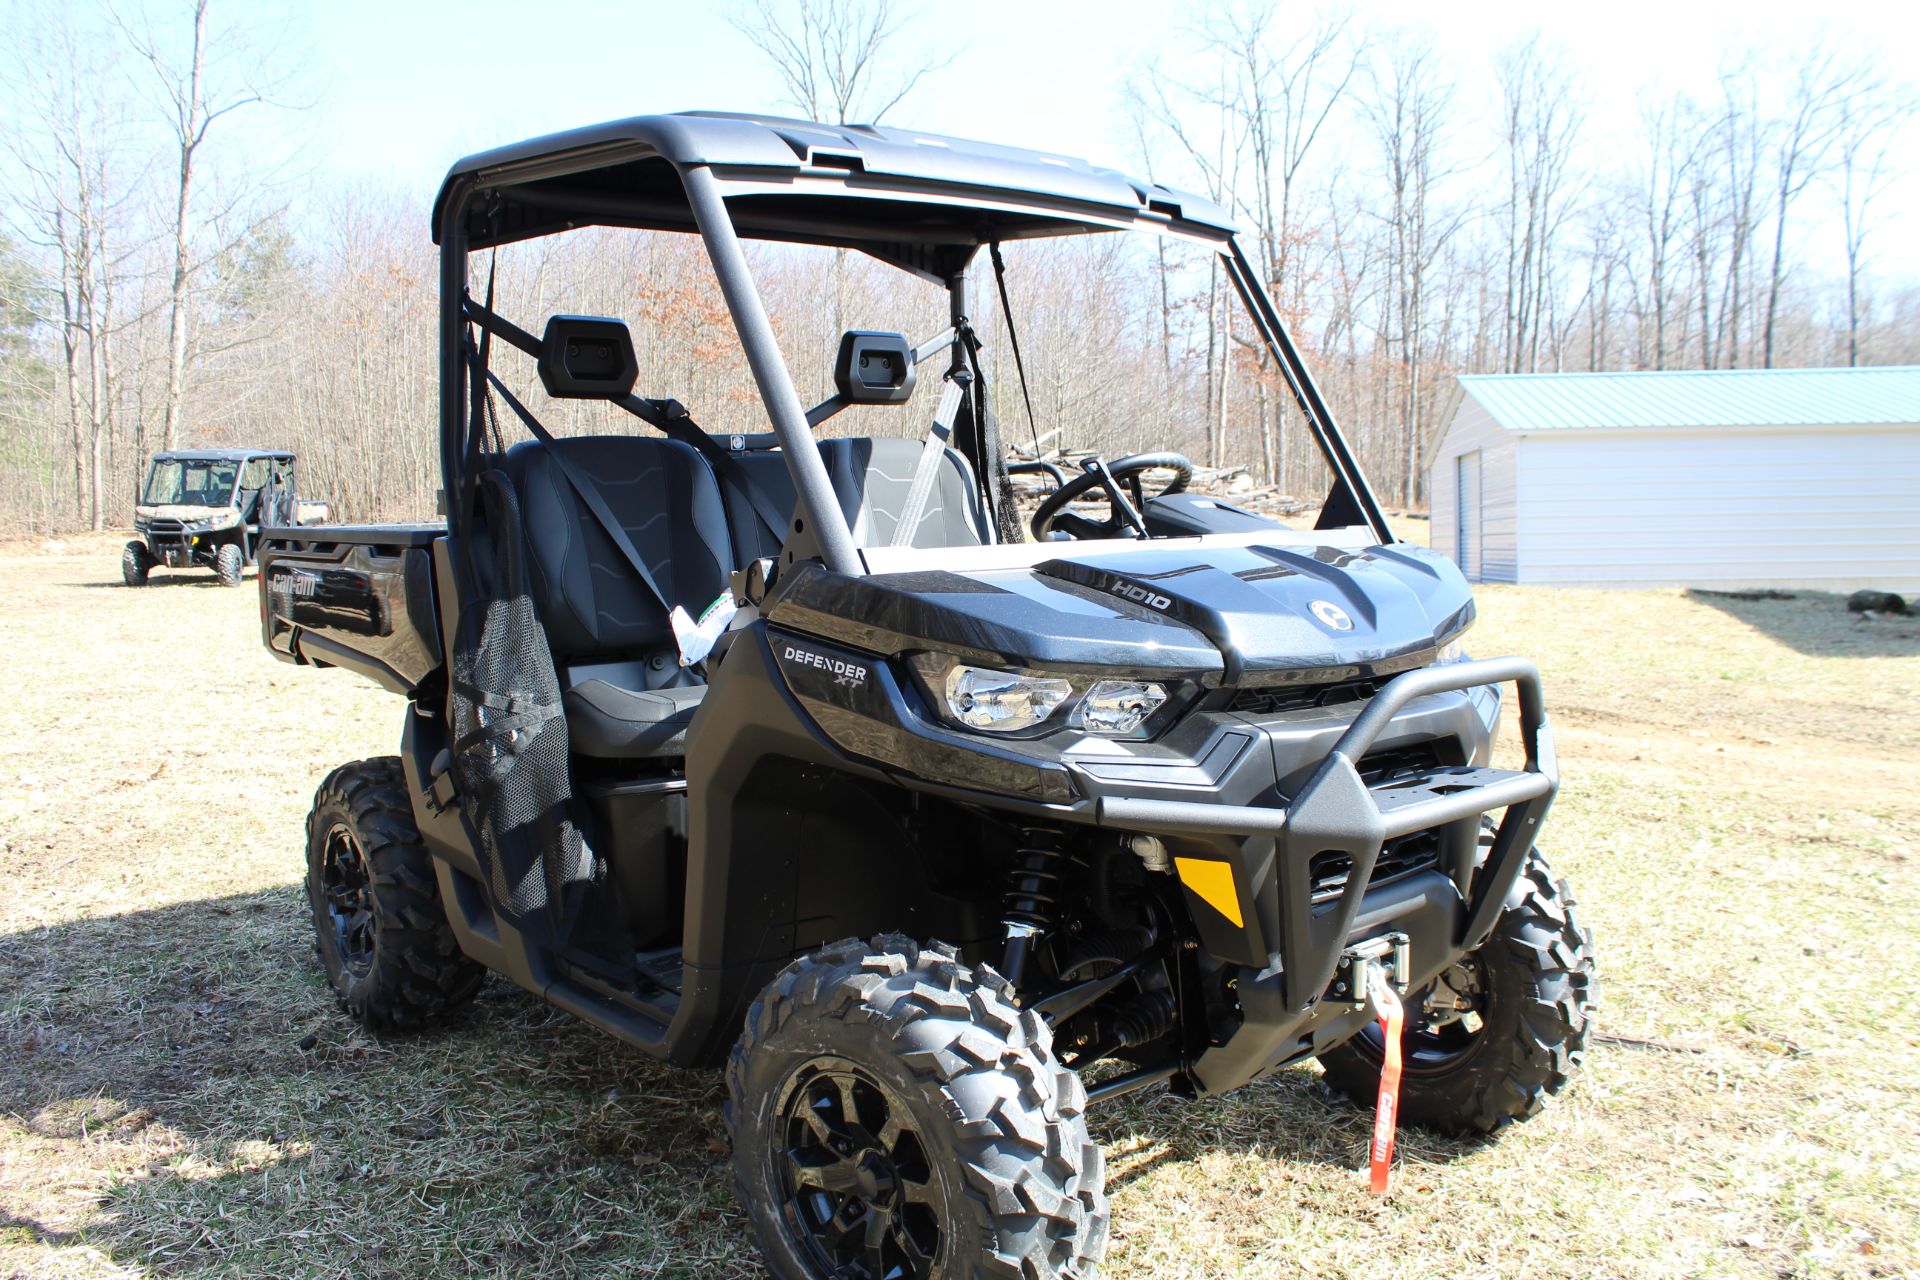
column 1331, row 615
column 304, row 586
column 850, row 674
column 1141, row 595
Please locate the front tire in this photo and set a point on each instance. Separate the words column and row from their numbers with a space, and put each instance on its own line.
column 379, row 926
column 1511, row 1023
column 895, row 1113
column 136, row 562
column 228, row 562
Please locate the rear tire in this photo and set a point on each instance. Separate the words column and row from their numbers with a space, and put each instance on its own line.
column 1532, row 990
column 379, row 926
column 136, row 562
column 228, row 562
column 893, row 1112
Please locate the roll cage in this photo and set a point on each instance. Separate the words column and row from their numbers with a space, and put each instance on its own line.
column 920, row 202
column 235, row 458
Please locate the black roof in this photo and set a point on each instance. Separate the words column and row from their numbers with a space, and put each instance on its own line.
column 894, row 192
column 219, row 455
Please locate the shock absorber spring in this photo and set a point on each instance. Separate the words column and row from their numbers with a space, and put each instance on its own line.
column 1034, row 898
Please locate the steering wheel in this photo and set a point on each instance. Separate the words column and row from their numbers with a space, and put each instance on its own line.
column 1122, row 517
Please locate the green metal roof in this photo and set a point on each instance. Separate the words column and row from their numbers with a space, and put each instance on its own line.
column 1699, row 398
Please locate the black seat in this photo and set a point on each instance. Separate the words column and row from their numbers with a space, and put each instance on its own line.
column 625, row 693
column 609, row 719
column 766, row 471
column 871, row 477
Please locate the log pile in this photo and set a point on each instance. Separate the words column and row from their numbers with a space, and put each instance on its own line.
column 1229, row 484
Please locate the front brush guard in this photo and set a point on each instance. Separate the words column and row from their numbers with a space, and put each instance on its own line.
column 1336, row 812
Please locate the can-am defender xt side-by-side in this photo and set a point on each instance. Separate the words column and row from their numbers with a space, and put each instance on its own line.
column 795, row 754
column 206, row 507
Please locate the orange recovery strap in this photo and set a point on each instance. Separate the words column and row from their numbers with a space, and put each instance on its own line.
column 1386, row 1115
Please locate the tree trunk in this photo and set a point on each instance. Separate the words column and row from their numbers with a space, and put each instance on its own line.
column 191, row 132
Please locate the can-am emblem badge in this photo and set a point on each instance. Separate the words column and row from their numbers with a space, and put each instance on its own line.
column 1331, row 615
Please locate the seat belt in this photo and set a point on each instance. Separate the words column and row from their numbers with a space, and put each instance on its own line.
column 670, row 417
column 927, row 469
column 589, row 495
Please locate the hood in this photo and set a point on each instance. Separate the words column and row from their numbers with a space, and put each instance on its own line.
column 188, row 513
column 1233, row 614
column 1278, row 614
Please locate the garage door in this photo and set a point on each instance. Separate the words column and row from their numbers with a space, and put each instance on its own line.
column 1466, row 514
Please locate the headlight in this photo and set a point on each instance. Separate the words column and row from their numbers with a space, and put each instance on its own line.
column 996, row 701
column 1002, row 701
column 1450, row 652
column 1118, row 706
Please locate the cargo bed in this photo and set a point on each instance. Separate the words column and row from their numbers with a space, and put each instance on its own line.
column 358, row 596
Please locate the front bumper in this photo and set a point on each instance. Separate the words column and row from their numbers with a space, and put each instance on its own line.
column 174, row 543
column 1276, row 825
column 1338, row 815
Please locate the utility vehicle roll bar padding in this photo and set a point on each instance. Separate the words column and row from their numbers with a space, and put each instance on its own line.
column 1337, row 812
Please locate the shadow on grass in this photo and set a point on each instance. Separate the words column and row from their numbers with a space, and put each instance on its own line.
column 181, row 578
column 1817, row 623
column 1293, row 1118
column 188, row 1068
column 22, row 1228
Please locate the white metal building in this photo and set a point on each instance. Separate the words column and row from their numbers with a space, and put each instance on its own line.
column 1803, row 478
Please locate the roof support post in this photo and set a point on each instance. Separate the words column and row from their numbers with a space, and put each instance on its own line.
column 1306, row 392
column 453, row 380
column 957, row 304
column 789, row 417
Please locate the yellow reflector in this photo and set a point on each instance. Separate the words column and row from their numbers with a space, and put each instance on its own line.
column 1213, row 881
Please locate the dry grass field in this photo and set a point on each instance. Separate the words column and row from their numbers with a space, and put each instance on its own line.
column 179, row 1095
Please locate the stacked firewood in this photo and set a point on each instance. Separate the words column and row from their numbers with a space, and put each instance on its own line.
column 1229, row 484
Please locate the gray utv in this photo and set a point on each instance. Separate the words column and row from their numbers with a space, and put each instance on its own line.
column 802, row 756
column 206, row 507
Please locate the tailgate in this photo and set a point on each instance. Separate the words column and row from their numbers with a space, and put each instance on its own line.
column 353, row 596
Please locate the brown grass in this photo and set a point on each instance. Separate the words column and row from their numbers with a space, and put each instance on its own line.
column 1738, row 819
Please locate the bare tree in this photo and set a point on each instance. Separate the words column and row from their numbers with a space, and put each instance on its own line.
column 1672, row 153
column 1408, row 110
column 1279, row 94
column 193, row 103
column 840, row 61
column 1868, row 128
column 74, row 204
column 1803, row 136
column 1540, row 115
column 1742, row 147
column 1139, row 119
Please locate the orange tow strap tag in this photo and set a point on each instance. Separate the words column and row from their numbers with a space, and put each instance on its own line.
column 1386, row 1115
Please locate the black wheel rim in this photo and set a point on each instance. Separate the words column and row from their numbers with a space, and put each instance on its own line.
column 1433, row 1043
column 857, row 1189
column 348, row 898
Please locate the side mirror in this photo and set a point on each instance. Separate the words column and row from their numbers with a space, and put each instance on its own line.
column 587, row 358
column 874, row 368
